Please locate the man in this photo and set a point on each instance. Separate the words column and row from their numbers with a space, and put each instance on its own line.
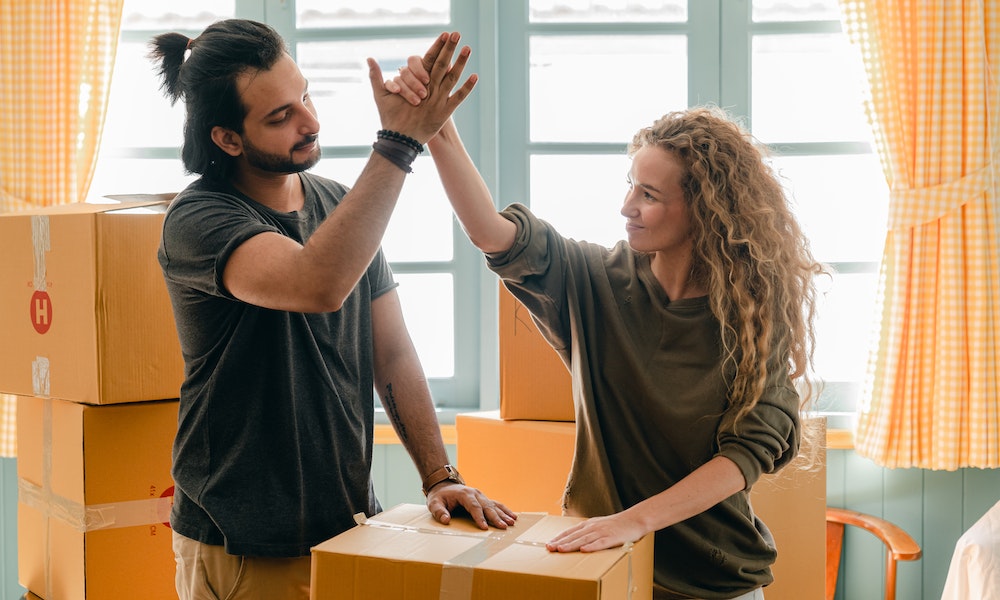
column 288, row 316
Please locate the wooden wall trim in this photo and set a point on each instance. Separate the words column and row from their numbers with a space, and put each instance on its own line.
column 836, row 439
column 839, row 439
column 385, row 434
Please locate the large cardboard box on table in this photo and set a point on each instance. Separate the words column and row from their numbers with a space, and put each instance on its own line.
column 94, row 499
column 83, row 306
column 404, row 554
column 524, row 464
column 534, row 382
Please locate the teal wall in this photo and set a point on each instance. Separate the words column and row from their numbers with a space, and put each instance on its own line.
column 9, row 588
column 934, row 507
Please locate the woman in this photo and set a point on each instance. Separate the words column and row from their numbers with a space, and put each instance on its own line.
column 685, row 343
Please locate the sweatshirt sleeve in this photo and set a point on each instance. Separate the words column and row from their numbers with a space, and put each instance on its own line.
column 767, row 438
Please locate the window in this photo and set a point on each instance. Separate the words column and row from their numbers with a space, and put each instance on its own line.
column 564, row 85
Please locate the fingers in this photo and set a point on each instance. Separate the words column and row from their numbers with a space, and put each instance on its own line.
column 411, row 81
column 398, row 85
column 417, row 68
column 442, row 70
column 432, row 53
column 462, row 93
column 497, row 514
column 483, row 511
column 564, row 542
column 375, row 76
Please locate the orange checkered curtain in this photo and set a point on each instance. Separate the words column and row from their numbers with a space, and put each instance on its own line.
column 56, row 60
column 933, row 68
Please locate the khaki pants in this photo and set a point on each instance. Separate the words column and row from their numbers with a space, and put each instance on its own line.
column 206, row 572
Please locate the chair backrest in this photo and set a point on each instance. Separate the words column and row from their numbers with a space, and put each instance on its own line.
column 898, row 545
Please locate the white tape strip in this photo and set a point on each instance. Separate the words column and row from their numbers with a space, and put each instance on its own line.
column 40, row 245
column 40, row 377
column 457, row 573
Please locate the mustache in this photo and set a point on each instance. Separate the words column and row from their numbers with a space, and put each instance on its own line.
column 309, row 139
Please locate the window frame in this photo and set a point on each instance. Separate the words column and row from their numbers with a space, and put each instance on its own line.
column 719, row 40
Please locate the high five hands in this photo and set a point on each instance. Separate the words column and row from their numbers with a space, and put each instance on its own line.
column 423, row 96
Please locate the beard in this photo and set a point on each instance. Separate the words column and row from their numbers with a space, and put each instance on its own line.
column 279, row 163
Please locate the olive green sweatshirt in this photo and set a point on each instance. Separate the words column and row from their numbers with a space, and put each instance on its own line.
column 650, row 396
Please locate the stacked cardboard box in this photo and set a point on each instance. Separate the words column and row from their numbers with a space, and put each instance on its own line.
column 521, row 455
column 534, row 383
column 92, row 354
column 94, row 499
column 83, row 305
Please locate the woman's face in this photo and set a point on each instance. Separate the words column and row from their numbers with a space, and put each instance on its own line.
column 658, row 217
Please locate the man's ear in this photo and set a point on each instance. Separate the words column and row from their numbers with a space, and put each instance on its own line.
column 227, row 139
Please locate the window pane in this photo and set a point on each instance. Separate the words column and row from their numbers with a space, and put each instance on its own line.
column 176, row 14
column 429, row 311
column 608, row 11
column 842, row 203
column 845, row 326
column 581, row 207
column 339, row 86
column 807, row 88
column 371, row 13
column 138, row 176
column 581, row 85
column 420, row 229
column 800, row 10
column 138, row 113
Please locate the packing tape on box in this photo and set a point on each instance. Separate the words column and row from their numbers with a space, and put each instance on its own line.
column 458, row 572
column 94, row 517
column 41, row 243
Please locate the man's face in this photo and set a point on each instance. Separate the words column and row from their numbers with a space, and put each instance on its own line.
column 280, row 131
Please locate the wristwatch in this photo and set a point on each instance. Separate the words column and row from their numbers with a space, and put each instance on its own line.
column 445, row 473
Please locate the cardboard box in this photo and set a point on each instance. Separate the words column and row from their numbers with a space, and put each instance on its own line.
column 536, row 461
column 94, row 499
column 404, row 554
column 83, row 305
column 534, row 382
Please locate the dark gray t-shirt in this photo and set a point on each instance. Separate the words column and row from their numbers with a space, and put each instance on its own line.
column 274, row 445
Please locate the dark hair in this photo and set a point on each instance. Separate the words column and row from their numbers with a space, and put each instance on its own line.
column 203, row 72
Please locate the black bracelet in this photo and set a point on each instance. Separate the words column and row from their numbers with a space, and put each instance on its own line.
column 396, row 152
column 388, row 134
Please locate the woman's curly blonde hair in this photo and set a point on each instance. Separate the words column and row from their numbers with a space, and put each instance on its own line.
column 748, row 251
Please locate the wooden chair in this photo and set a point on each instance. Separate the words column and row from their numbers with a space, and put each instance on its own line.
column 899, row 545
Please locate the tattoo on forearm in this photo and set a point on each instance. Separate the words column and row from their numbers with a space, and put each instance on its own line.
column 393, row 410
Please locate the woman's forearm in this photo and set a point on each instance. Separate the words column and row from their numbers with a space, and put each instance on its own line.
column 468, row 194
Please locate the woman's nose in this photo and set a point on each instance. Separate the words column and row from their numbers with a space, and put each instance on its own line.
column 628, row 208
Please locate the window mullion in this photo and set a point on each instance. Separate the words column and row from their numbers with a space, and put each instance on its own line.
column 704, row 47
column 735, row 69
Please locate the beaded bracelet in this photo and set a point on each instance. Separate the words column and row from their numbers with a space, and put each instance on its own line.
column 388, row 134
column 396, row 152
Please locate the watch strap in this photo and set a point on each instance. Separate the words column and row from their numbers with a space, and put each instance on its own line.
column 445, row 473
